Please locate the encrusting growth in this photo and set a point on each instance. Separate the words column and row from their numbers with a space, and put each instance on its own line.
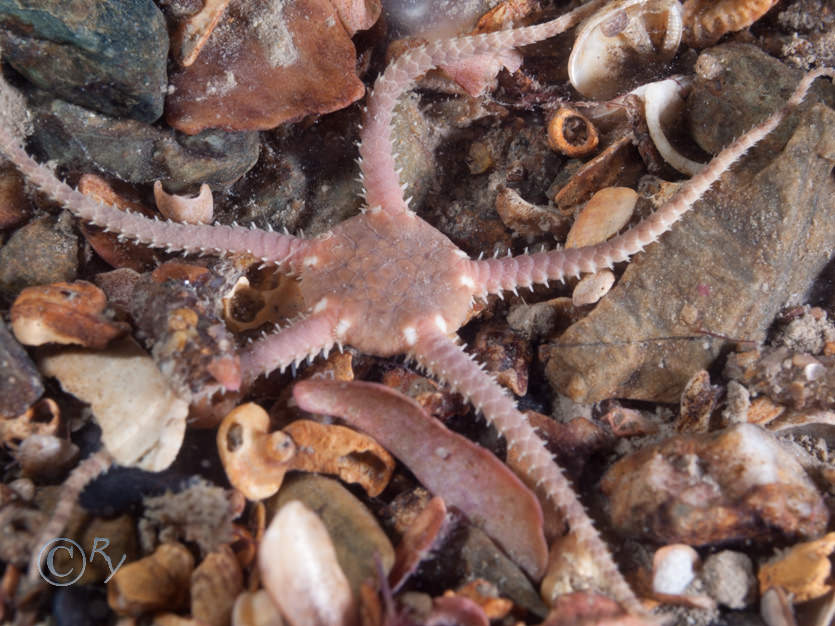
column 388, row 265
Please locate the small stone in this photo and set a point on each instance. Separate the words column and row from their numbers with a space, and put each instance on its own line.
column 108, row 55
column 672, row 569
column 357, row 537
column 41, row 252
column 592, row 288
column 136, row 152
column 20, row 382
column 735, row 484
column 506, row 355
column 729, row 579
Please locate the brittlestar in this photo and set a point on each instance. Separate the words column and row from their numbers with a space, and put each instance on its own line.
column 386, row 282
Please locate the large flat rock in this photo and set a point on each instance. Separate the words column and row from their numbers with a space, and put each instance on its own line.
column 753, row 245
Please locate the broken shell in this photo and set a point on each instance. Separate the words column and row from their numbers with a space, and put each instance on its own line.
column 604, row 214
column 300, row 571
column 803, row 571
column 193, row 33
column 255, row 460
column 14, row 206
column 663, row 102
column 417, row 541
column 157, row 582
column 622, row 43
column 65, row 313
column 196, row 210
column 42, row 418
column 592, row 287
column 526, row 218
column 706, row 21
column 571, row 133
column 215, row 584
column 330, row 449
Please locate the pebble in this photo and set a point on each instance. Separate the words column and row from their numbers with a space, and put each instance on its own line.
column 729, row 579
column 135, row 152
column 20, row 384
column 732, row 485
column 43, row 251
column 357, row 537
column 108, row 55
column 729, row 266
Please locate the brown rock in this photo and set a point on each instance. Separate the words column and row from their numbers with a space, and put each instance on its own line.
column 14, row 207
column 20, row 384
column 43, row 251
column 215, row 585
column 266, row 63
column 159, row 581
column 729, row 266
column 736, row 484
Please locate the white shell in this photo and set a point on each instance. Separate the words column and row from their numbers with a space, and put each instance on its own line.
column 622, row 44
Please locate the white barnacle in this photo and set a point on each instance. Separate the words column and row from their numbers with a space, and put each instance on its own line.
column 311, row 261
column 321, row 305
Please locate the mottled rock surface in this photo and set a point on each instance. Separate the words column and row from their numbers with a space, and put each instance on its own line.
column 735, row 484
column 138, row 153
column 20, row 382
column 264, row 64
column 755, row 243
column 44, row 251
column 109, row 55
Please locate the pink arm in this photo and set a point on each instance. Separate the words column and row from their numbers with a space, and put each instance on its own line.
column 271, row 247
column 377, row 165
column 290, row 345
column 443, row 358
column 495, row 275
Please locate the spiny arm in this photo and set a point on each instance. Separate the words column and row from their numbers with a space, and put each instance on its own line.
column 271, row 247
column 377, row 165
column 301, row 340
column 509, row 273
column 447, row 361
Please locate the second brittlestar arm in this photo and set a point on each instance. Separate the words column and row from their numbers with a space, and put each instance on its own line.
column 270, row 247
column 447, row 361
column 513, row 272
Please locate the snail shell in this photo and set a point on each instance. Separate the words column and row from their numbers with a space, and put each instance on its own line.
column 622, row 44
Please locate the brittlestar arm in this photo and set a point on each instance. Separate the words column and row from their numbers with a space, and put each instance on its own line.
column 271, row 247
column 291, row 345
column 449, row 363
column 377, row 165
column 509, row 273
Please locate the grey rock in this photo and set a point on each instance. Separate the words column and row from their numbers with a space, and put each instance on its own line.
column 736, row 86
column 20, row 382
column 108, row 55
column 42, row 252
column 753, row 245
column 136, row 152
